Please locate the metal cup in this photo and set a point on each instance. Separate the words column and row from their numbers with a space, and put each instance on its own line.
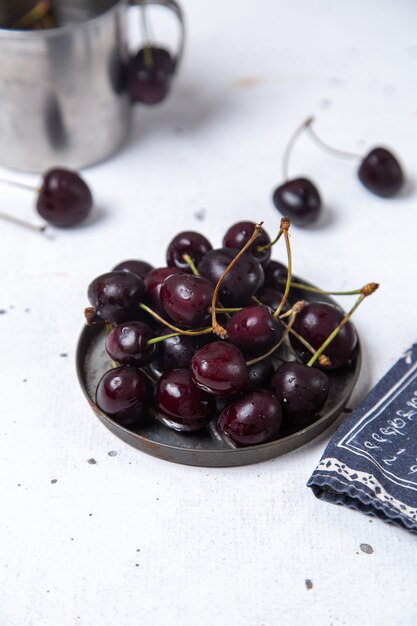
column 62, row 95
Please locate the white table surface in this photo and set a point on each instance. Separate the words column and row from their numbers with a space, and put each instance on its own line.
column 132, row 540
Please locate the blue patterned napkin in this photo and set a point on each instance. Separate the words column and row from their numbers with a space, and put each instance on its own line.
column 370, row 464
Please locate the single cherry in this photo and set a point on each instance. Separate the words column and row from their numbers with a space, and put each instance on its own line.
column 140, row 268
column 128, row 344
column 238, row 234
column 219, row 368
column 315, row 323
column 301, row 390
column 124, row 393
column 381, row 173
column 149, row 75
column 153, row 284
column 115, row 296
column 186, row 298
column 251, row 420
column 180, row 404
column 254, row 330
column 188, row 243
column 242, row 281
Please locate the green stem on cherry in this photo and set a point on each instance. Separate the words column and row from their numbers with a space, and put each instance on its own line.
column 231, row 309
column 326, row 147
column 143, row 370
column 301, row 339
column 218, row 328
column 147, row 50
column 256, row 300
column 285, row 225
column 271, row 243
column 191, row 264
column 180, row 331
column 203, row 331
column 353, row 292
column 366, row 291
column 290, row 145
column 298, row 306
column 19, row 222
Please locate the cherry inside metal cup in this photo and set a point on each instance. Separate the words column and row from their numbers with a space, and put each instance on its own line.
column 63, row 99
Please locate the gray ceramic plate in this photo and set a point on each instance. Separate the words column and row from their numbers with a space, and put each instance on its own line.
column 206, row 448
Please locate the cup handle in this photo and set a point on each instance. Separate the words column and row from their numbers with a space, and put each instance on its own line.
column 173, row 6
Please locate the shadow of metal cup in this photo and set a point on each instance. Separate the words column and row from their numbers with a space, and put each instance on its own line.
column 62, row 94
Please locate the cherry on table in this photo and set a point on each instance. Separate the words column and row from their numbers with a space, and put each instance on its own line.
column 124, row 393
column 180, row 404
column 149, row 75
column 381, row 173
column 253, row 419
column 299, row 199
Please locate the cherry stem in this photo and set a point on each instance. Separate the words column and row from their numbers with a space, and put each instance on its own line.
column 366, row 291
column 298, row 306
column 285, row 224
column 15, row 183
column 153, row 380
column 301, row 339
column 256, row 300
column 203, row 331
column 326, row 147
column 180, row 331
column 39, row 12
column 218, row 328
column 19, row 222
column 147, row 52
column 354, row 292
column 222, row 309
column 191, row 264
column 271, row 243
column 290, row 145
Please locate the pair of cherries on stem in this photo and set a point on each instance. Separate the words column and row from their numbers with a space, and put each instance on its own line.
column 298, row 198
column 64, row 199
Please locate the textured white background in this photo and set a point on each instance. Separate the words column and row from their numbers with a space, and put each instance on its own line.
column 134, row 540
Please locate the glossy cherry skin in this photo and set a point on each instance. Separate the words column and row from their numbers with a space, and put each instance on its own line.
column 271, row 298
column 128, row 344
column 177, row 352
column 115, row 296
column 188, row 242
column 276, row 275
column 64, row 198
column 149, row 75
column 124, row 393
column 253, row 419
column 220, row 369
column 180, row 404
column 298, row 199
column 381, row 173
column 254, row 329
column 186, row 299
column 301, row 390
column 239, row 234
column 315, row 323
column 260, row 374
column 153, row 284
column 140, row 268
column 242, row 281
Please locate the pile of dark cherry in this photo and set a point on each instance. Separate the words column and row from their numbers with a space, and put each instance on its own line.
column 201, row 377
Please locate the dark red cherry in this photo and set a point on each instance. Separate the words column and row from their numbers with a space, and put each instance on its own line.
column 271, row 298
column 252, row 419
column 315, row 323
column 298, row 199
column 140, row 268
column 64, row 198
column 381, row 173
column 186, row 298
column 260, row 374
column 301, row 390
column 239, row 234
column 153, row 284
column 124, row 393
column 276, row 275
column 149, row 75
column 177, row 352
column 219, row 368
column 128, row 344
column 116, row 296
column 180, row 404
column 188, row 242
column 254, row 330
column 242, row 281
